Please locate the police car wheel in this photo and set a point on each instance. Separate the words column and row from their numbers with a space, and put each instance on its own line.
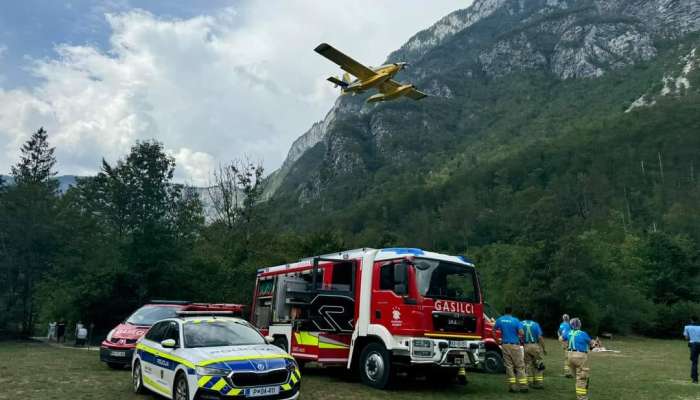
column 181, row 390
column 137, row 379
column 375, row 366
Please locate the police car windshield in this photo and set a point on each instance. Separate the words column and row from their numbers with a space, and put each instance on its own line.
column 442, row 280
column 213, row 333
column 149, row 315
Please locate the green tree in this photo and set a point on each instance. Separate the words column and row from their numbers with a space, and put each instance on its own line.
column 29, row 231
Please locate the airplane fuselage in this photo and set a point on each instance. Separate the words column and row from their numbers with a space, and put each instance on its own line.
column 383, row 74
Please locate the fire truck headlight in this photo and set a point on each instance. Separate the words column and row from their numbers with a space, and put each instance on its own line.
column 211, row 371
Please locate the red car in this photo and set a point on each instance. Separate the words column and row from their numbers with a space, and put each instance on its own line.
column 118, row 348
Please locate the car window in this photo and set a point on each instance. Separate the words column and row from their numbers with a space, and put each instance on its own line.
column 386, row 277
column 158, row 331
column 172, row 332
column 149, row 315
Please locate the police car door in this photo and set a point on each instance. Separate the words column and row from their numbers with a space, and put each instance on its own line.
column 166, row 364
column 150, row 366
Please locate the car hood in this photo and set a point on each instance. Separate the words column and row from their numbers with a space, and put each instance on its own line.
column 128, row 331
column 240, row 358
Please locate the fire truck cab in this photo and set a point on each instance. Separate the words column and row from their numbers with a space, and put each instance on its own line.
column 376, row 311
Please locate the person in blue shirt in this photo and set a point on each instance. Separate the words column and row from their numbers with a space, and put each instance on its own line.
column 511, row 330
column 564, row 329
column 534, row 348
column 692, row 335
column 579, row 344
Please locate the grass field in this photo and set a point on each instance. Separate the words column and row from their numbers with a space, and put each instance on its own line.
column 644, row 370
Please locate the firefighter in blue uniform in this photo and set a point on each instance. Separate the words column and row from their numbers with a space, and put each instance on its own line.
column 534, row 349
column 511, row 330
column 580, row 344
column 692, row 335
column 564, row 329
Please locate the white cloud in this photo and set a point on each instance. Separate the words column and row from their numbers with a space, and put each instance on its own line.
column 212, row 88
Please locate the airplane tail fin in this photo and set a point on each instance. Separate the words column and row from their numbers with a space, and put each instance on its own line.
column 337, row 82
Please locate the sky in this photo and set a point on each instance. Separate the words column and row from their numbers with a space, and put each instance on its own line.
column 212, row 80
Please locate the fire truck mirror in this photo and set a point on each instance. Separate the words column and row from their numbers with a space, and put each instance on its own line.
column 401, row 278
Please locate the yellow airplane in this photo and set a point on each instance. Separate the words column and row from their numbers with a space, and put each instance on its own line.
column 368, row 78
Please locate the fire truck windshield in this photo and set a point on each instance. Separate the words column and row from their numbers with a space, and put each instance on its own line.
column 442, row 280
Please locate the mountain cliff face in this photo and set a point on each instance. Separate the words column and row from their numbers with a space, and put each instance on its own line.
column 502, row 74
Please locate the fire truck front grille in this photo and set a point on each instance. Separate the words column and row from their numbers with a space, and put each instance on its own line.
column 452, row 322
column 246, row 379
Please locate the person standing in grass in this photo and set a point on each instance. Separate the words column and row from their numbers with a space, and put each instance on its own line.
column 511, row 330
column 564, row 329
column 692, row 335
column 534, row 348
column 577, row 353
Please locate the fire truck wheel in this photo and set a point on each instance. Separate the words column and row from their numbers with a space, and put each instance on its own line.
column 375, row 366
column 493, row 362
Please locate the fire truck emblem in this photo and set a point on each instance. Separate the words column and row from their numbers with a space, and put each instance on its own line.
column 396, row 314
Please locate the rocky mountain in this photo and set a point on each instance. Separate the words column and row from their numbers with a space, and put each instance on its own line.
column 502, row 74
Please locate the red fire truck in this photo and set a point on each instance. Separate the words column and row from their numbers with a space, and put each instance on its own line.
column 375, row 311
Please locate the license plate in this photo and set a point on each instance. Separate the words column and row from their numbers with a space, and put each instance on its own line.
column 459, row 344
column 117, row 353
column 262, row 391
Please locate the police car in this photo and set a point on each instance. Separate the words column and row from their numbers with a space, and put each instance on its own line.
column 212, row 358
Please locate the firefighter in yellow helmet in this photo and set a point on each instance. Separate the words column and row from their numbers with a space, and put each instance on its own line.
column 579, row 344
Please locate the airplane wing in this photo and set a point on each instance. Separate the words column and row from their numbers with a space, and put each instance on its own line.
column 391, row 86
column 345, row 62
column 415, row 94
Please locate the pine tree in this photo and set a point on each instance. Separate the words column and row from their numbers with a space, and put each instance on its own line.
column 37, row 160
column 28, row 230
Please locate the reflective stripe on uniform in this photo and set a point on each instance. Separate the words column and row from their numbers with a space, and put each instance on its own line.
column 572, row 339
column 528, row 332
